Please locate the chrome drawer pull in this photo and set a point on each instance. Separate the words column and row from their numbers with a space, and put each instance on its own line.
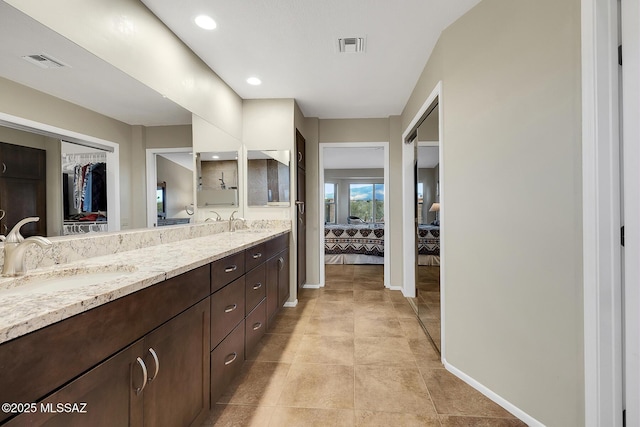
column 230, row 308
column 156, row 362
column 257, row 286
column 257, row 326
column 258, row 255
column 233, row 358
column 230, row 269
column 144, row 375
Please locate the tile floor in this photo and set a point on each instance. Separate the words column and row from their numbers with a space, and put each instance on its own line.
column 351, row 354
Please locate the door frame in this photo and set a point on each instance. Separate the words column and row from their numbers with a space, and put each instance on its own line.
column 152, row 181
column 630, row 16
column 601, row 216
column 322, row 146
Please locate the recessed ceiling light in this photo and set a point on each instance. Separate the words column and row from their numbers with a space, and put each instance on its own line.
column 215, row 157
column 205, row 22
column 254, row 81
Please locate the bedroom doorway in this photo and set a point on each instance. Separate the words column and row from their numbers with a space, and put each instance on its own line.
column 353, row 186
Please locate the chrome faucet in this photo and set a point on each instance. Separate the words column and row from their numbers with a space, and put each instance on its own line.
column 233, row 220
column 218, row 217
column 15, row 247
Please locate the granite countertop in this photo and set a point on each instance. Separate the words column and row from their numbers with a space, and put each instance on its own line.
column 25, row 308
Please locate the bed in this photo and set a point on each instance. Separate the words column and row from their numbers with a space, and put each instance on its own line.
column 428, row 244
column 354, row 244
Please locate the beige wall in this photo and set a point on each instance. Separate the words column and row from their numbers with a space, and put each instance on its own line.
column 179, row 188
column 510, row 76
column 169, row 136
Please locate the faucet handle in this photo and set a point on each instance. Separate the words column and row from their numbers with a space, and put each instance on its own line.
column 14, row 235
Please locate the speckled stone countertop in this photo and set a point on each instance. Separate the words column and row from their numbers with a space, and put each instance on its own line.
column 28, row 303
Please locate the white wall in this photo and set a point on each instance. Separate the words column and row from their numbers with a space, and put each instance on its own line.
column 511, row 95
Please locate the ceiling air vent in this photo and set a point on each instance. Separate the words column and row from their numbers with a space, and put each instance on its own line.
column 351, row 44
column 44, row 61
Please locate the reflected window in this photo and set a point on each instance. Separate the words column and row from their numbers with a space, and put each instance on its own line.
column 330, row 191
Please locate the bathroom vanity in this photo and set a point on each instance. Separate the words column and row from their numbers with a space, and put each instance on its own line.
column 160, row 354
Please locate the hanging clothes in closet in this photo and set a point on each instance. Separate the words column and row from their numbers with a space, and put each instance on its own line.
column 90, row 187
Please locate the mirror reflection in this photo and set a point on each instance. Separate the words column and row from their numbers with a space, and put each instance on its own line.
column 268, row 178
column 217, row 179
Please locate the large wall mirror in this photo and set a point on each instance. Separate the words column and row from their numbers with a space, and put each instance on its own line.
column 217, row 175
column 268, row 178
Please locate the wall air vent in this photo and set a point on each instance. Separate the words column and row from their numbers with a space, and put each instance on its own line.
column 351, row 44
column 44, row 61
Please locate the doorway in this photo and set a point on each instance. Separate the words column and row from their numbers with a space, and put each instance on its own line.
column 353, row 180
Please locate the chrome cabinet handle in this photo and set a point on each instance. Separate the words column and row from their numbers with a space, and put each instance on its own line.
column 281, row 263
column 230, row 308
column 257, row 286
column 257, row 326
column 255, row 256
column 4, row 167
column 299, row 156
column 156, row 362
column 233, row 355
column 230, row 269
column 144, row 375
column 2, row 214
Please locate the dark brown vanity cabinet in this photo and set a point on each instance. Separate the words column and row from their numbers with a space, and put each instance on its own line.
column 141, row 360
column 277, row 274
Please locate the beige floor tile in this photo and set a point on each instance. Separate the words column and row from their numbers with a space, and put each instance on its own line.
column 312, row 417
column 370, row 296
column 457, row 421
column 287, row 324
column 381, row 327
column 383, row 351
column 412, row 328
column 325, row 350
column 389, row 389
column 452, row 396
column 318, row 386
column 425, row 354
column 367, row 284
column 395, row 296
column 239, row 415
column 259, row 383
column 276, row 348
column 404, row 310
column 335, row 326
column 342, row 283
column 369, row 309
column 306, row 294
column 333, row 309
column 387, row 419
column 303, row 308
column 337, row 295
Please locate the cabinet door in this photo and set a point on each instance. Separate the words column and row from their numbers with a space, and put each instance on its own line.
column 21, row 198
column 22, row 162
column 178, row 390
column 283, row 277
column 273, row 266
column 300, row 150
column 106, row 395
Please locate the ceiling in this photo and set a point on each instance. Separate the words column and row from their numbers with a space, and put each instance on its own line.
column 291, row 45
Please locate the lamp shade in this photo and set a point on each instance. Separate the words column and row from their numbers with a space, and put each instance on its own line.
column 435, row 207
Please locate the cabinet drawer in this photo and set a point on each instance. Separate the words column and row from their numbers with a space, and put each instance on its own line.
column 255, row 256
column 277, row 244
column 255, row 327
column 226, row 362
column 227, row 310
column 255, row 287
column 226, row 270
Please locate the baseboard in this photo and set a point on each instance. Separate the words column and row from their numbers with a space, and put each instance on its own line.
column 395, row 288
column 311, row 286
column 291, row 303
column 517, row 412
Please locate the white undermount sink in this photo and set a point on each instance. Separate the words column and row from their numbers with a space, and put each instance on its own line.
column 62, row 279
